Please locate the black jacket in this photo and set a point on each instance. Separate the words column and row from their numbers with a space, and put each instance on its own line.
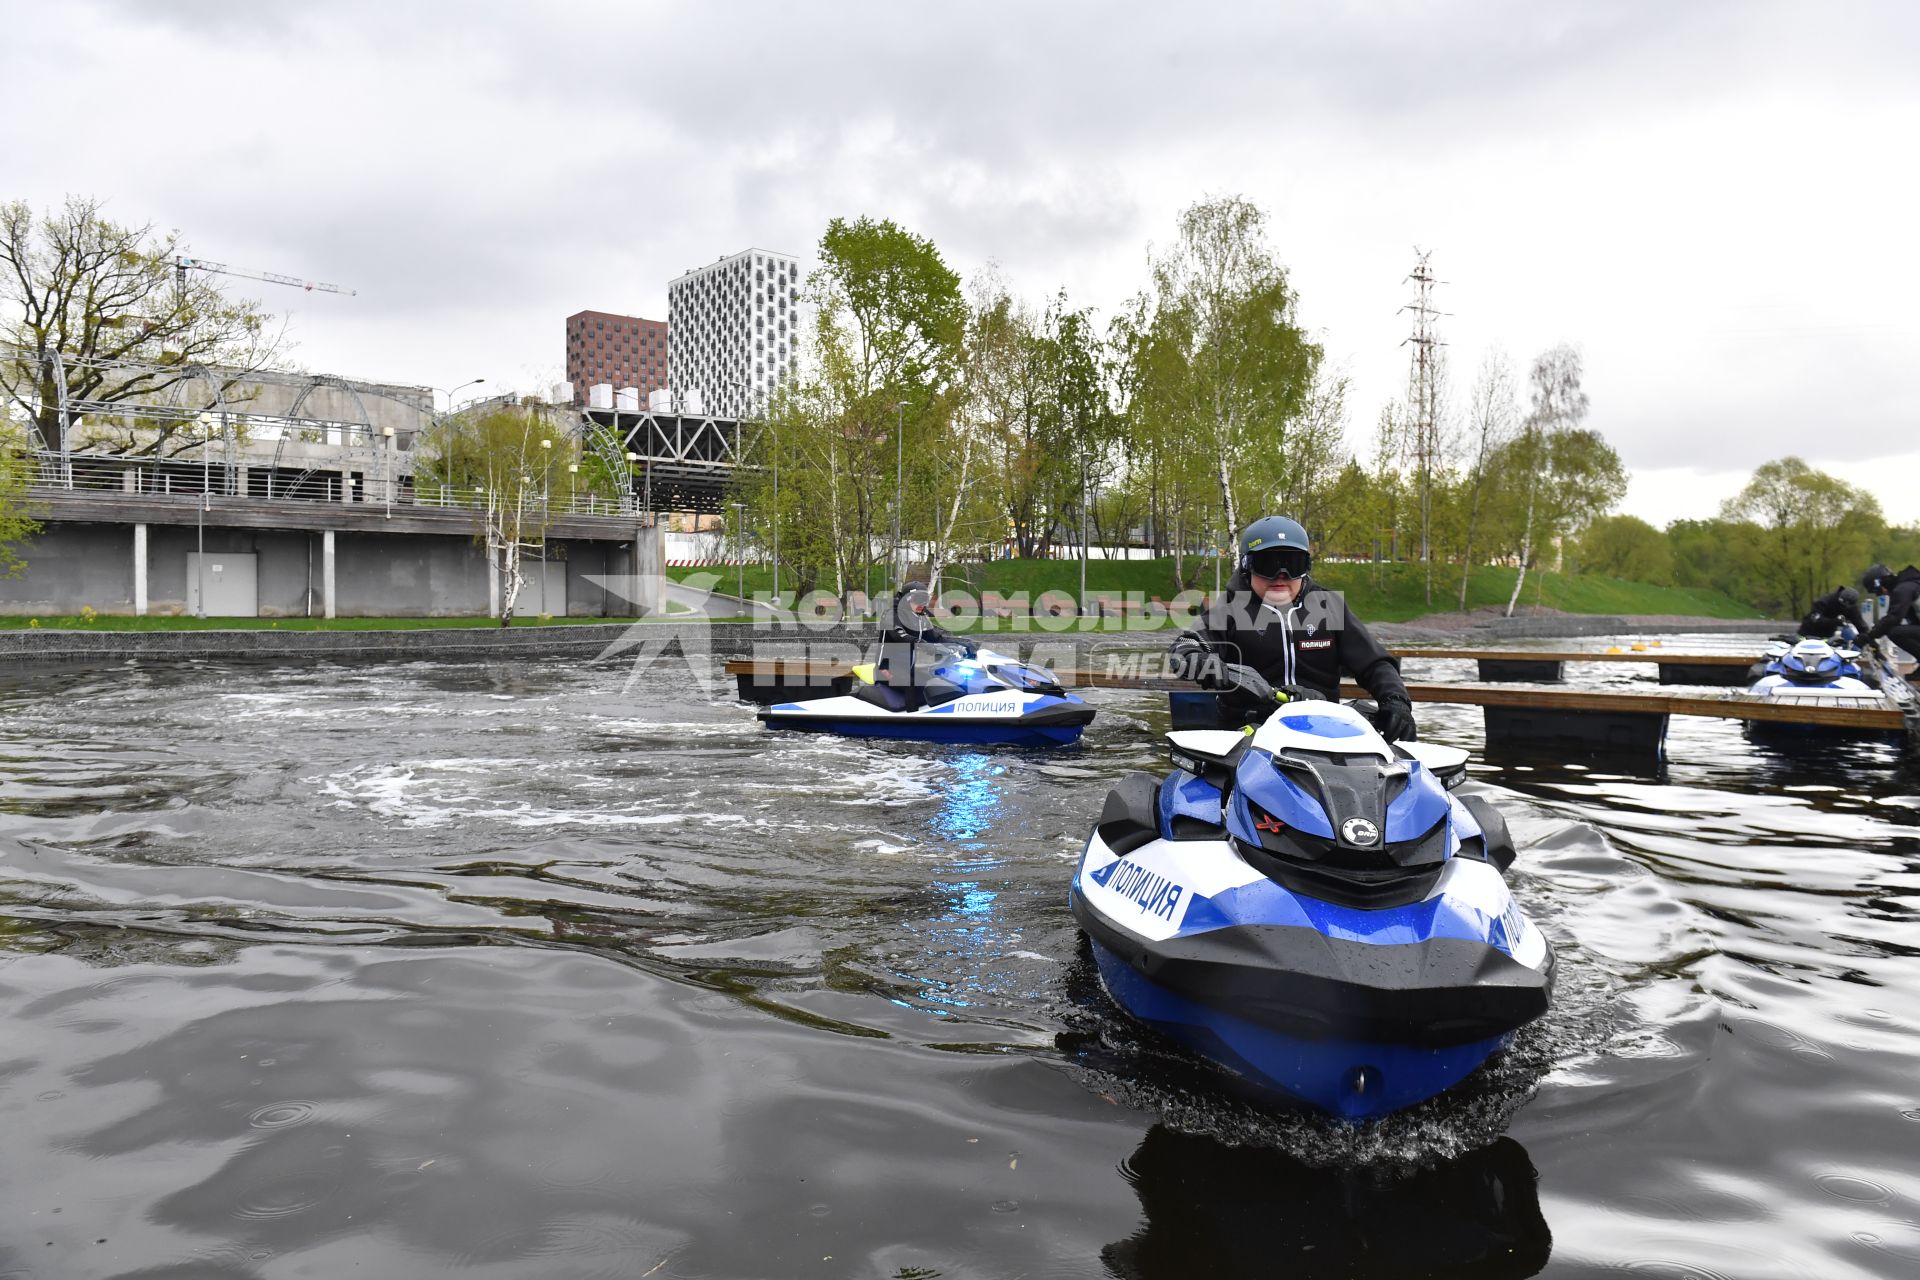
column 1312, row 642
column 1901, row 602
column 1826, row 615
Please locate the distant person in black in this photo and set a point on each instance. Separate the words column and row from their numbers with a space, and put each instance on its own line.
column 1901, row 621
column 1277, row 630
column 1829, row 611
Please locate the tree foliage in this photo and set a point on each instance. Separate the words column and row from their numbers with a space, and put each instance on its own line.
column 1817, row 531
column 1626, row 547
column 513, row 461
column 128, row 329
column 15, row 472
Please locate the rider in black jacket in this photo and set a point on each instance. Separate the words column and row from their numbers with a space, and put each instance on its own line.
column 1829, row 611
column 1901, row 622
column 1277, row 630
column 912, row 644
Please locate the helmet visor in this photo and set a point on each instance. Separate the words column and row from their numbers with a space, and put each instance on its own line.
column 1279, row 562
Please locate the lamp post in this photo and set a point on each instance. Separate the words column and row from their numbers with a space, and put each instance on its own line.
column 740, row 545
column 899, row 490
column 632, row 458
column 205, row 423
column 387, row 434
column 573, row 480
column 471, row 382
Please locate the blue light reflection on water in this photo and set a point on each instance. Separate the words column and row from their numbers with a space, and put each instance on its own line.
column 970, row 929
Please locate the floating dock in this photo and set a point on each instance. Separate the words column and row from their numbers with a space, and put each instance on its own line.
column 1541, row 667
column 1608, row 721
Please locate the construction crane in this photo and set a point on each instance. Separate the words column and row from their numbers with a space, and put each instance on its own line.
column 184, row 264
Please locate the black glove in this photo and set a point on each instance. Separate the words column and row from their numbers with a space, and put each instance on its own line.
column 1245, row 680
column 1191, row 659
column 1395, row 722
column 1302, row 693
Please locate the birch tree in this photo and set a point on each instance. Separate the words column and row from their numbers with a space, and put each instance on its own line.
column 1559, row 405
column 1491, row 415
column 1247, row 366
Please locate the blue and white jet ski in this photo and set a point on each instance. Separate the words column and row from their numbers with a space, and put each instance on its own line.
column 1814, row 673
column 984, row 698
column 1309, row 907
column 1813, row 669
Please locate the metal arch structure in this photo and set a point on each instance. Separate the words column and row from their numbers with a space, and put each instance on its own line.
column 201, row 373
column 314, row 383
column 684, row 461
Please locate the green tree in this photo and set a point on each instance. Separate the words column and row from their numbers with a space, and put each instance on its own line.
column 890, row 325
column 1492, row 414
column 1564, row 476
column 512, row 463
column 1626, row 547
column 128, row 330
column 1244, row 371
column 1819, row 530
column 16, row 471
column 1725, row 555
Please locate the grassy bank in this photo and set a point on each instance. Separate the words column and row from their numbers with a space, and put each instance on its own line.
column 108, row 622
column 1382, row 593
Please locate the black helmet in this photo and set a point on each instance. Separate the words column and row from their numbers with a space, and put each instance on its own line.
column 1848, row 598
column 1876, row 579
column 1273, row 545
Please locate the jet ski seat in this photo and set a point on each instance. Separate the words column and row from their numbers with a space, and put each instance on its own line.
column 884, row 696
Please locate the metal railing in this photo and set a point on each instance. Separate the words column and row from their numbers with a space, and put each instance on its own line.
column 146, row 478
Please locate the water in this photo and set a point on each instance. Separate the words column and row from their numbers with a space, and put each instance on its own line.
column 503, row 971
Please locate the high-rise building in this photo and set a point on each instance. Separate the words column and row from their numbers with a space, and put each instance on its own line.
column 735, row 323
column 626, row 351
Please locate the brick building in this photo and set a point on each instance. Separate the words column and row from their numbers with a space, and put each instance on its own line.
column 626, row 351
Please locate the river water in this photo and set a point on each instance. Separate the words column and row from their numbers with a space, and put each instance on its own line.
column 532, row 971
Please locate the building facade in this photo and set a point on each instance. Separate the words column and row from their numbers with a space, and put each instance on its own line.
column 735, row 325
column 624, row 351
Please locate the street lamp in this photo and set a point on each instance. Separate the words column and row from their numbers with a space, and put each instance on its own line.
column 473, row 382
column 899, row 491
column 205, row 423
column 740, row 545
column 546, row 461
column 387, row 433
column 573, row 479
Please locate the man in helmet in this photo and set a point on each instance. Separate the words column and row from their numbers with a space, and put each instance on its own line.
column 1901, row 621
column 912, row 644
column 1841, row 605
column 1277, row 630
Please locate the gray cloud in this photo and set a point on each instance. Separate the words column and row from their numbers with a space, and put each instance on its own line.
column 1637, row 177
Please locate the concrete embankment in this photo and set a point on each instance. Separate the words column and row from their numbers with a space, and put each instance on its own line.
column 721, row 639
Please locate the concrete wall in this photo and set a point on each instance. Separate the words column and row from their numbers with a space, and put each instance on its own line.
column 72, row 565
column 377, row 575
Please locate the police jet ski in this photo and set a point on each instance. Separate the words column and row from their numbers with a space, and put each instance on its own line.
column 1309, row 907
column 1814, row 673
column 982, row 698
column 1813, row 669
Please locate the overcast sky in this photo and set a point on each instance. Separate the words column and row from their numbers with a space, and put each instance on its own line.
column 1715, row 201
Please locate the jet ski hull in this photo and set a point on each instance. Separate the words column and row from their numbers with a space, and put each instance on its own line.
column 1282, row 990
column 1352, row 1079
column 1024, row 720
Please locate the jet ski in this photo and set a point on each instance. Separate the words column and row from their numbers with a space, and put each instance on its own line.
column 1812, row 669
column 980, row 698
column 1815, row 673
column 1308, row 906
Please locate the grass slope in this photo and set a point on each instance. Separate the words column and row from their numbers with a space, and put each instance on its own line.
column 109, row 622
column 1383, row 593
